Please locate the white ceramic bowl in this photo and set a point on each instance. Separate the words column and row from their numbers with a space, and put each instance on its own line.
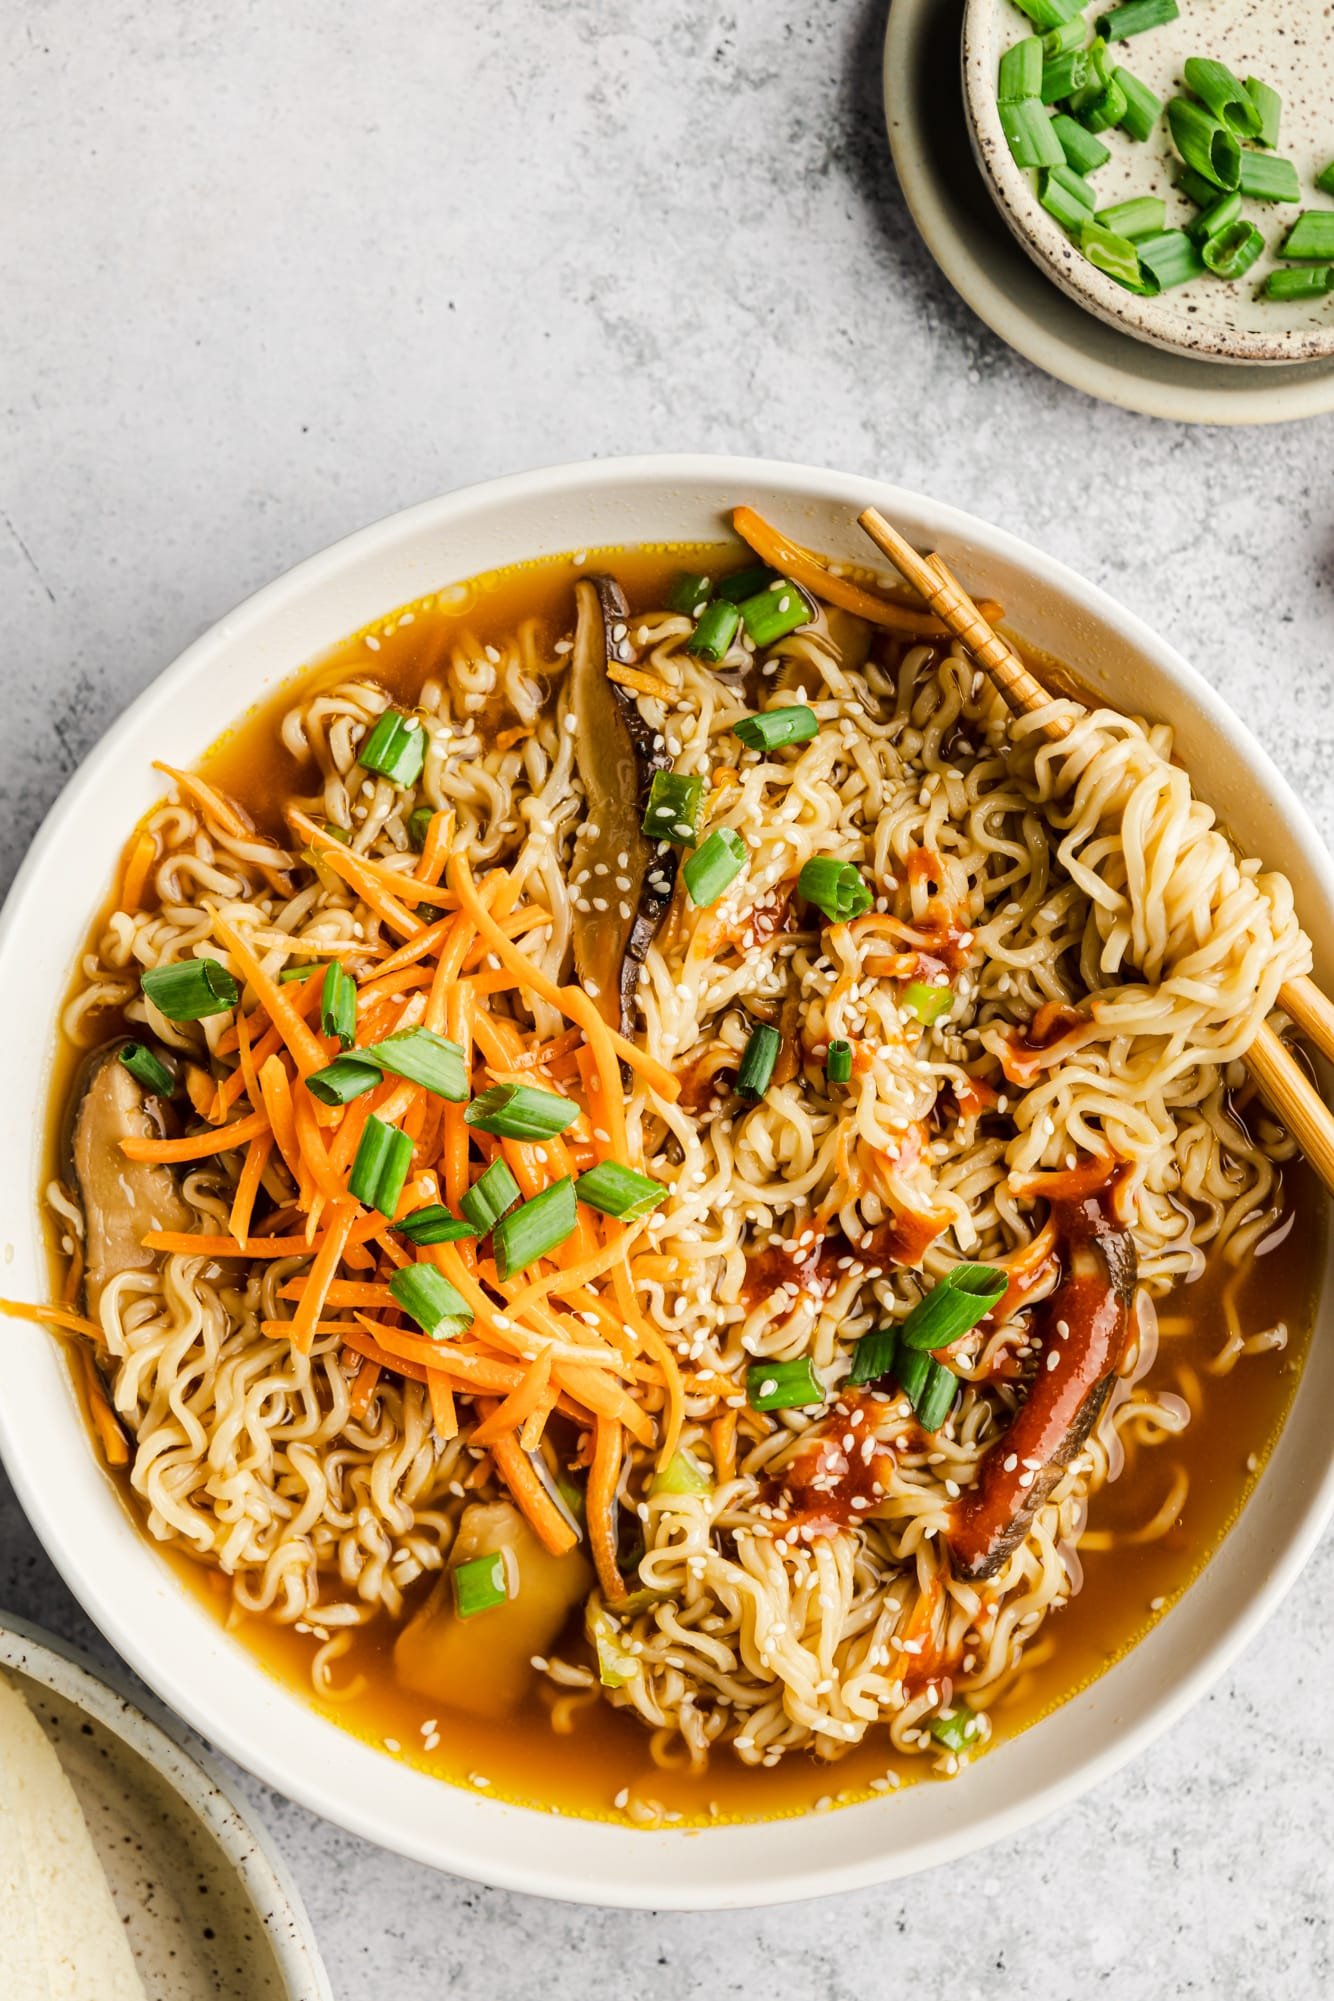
column 1207, row 318
column 124, row 1584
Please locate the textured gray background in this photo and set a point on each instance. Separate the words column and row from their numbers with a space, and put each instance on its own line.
column 275, row 270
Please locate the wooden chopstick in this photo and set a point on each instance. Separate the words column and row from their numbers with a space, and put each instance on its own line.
column 1273, row 1067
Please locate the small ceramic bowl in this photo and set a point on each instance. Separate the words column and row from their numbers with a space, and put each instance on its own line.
column 1212, row 319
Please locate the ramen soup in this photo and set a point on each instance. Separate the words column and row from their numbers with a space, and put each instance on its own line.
column 660, row 1202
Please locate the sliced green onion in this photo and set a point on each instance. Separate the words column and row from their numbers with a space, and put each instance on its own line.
column 1171, row 258
column 912, row 1366
column 384, row 1155
column 433, row 1224
column 1059, row 41
column 619, row 1191
column 1108, row 108
column 927, row 1001
column 954, row 1304
column 837, row 889
column 1061, row 77
column 682, row 1474
column 1146, row 215
column 520, row 1111
column 774, row 727
column 1308, row 281
column 343, row 1080
column 714, row 864
column 396, row 748
column 1217, row 216
column 1048, row 14
column 672, row 813
column 1195, row 188
column 1265, row 177
column 480, row 1584
column 958, row 1731
column 1205, row 145
column 419, row 825
column 1223, row 94
column 1021, row 70
column 1136, row 17
column 783, row 1385
column 1268, row 109
column 936, row 1399
column 744, row 583
column 338, row 1005
column 1099, row 76
column 494, row 1191
column 191, row 989
column 616, row 1664
column 1312, row 235
column 715, row 631
column 289, row 974
column 1028, row 131
column 424, row 1058
column 1324, row 180
column 1144, row 107
column 530, row 1232
column 757, row 1065
column 1067, row 196
column 1111, row 253
column 1232, row 252
column 427, row 1295
column 771, row 614
column 1083, row 153
column 873, row 1356
column 838, row 1062
column 689, row 593
column 147, row 1069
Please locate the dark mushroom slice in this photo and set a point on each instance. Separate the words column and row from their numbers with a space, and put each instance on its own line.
column 1084, row 1324
column 122, row 1199
column 623, row 880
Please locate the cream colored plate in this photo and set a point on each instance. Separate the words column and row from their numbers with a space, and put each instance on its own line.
column 950, row 204
column 208, row 1910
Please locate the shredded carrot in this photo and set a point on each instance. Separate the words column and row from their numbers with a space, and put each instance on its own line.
column 135, row 879
column 307, row 1051
column 304, row 996
column 444, row 1416
column 231, row 821
column 480, row 1372
column 387, row 891
column 722, row 1433
column 200, row 1090
column 518, row 1405
column 360, row 1343
column 342, row 1215
column 110, row 1434
column 530, row 1435
column 531, row 1497
column 311, row 1142
column 275, row 1092
column 457, row 1133
column 807, row 570
column 198, row 1146
column 435, row 848
column 247, row 1187
column 52, row 1316
column 600, row 1499
column 363, row 1387
column 642, row 683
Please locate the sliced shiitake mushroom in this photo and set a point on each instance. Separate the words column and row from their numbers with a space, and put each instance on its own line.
column 122, row 1199
column 622, row 880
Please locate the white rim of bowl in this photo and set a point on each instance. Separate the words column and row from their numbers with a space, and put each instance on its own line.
column 554, row 1878
column 154, row 1735
column 1154, row 321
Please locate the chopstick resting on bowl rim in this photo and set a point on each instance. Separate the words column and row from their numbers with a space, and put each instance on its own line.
column 1277, row 1072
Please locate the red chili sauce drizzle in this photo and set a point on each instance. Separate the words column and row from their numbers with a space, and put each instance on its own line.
column 1052, row 1027
column 836, row 1476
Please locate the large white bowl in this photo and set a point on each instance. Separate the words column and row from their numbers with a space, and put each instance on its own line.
column 124, row 1584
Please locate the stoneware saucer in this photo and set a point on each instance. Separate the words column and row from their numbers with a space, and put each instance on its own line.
column 950, row 204
column 209, row 1911
column 1292, row 48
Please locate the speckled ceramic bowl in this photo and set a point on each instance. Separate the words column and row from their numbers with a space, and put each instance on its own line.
column 1292, row 47
column 208, row 1910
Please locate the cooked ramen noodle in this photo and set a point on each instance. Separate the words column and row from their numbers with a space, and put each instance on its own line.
column 707, row 1269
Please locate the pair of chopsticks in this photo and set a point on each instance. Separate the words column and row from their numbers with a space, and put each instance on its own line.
column 1276, row 1071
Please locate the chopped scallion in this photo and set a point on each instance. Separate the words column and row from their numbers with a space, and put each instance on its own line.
column 1048, row 14
column 419, row 825
column 837, row 889
column 744, row 583
column 343, row 1080
column 954, row 1304
column 433, row 1224
column 1231, row 253
column 1021, row 70
column 689, row 593
column 530, row 1232
column 1171, row 258
column 715, row 631
column 1266, row 177
column 1108, row 108
column 1144, row 107
column 384, row 1155
column 771, row 614
column 757, row 1065
column 190, row 989
column 619, row 1191
column 1306, row 281
column 1217, row 216
column 494, row 1191
column 926, row 1000
column 672, row 812
column 1111, row 253
column 424, row 1058
column 1268, row 109
column 338, row 1005
column 783, row 1385
column 936, row 1400
column 1070, row 35
column 520, row 1111
column 1067, row 196
column 682, row 1474
column 873, row 1356
column 290, row 974
column 1083, row 153
column 427, row 1295
column 395, row 748
column 480, row 1584
column 958, row 1729
column 1223, row 94
column 1324, row 180
column 1059, row 78
column 147, row 1069
column 1028, row 131
column 838, row 1061
column 1145, row 215
column 715, row 863
column 1207, row 147
column 1136, row 17
column 772, row 728
column 1311, row 236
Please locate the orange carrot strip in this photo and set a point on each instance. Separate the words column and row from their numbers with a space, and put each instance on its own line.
column 518, row 1405
column 603, row 1475
column 110, row 1436
column 247, row 1187
column 363, row 1387
column 530, row 1435
column 572, row 1002
column 562, row 1282
column 307, row 1050
column 457, row 1134
column 135, row 879
column 444, row 1417
column 275, row 1092
column 531, row 1497
column 304, row 996
column 479, row 1371
column 52, row 1316
column 200, row 1090
column 385, row 891
column 361, row 1344
column 404, row 981
column 435, row 848
column 342, row 1215
column 345, row 1292
column 808, row 571
column 311, row 1142
column 722, row 1433
column 198, row 1146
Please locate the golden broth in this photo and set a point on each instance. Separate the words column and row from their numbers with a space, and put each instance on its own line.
column 603, row 1754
